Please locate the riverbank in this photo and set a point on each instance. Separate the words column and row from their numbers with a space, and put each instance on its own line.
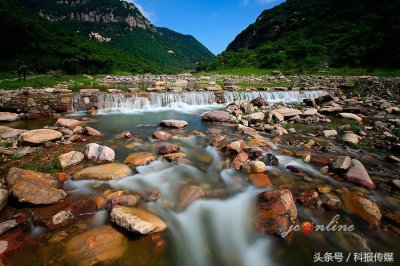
column 128, row 175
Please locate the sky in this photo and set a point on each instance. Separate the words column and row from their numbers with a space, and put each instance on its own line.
column 215, row 23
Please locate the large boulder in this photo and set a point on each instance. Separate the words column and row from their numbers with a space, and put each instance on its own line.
column 217, row 116
column 102, row 245
column 140, row 158
column 71, row 123
column 99, row 153
column 34, row 187
column 276, row 212
column 8, row 117
column 103, row 172
column 137, row 220
column 39, row 136
column 359, row 175
column 173, row 123
column 71, row 158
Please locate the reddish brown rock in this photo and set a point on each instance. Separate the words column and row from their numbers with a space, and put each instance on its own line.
column 11, row 243
column 217, row 116
column 189, row 195
column 358, row 174
column 260, row 180
column 168, row 148
column 259, row 102
column 140, row 158
column 235, row 147
column 239, row 160
column 363, row 207
column 217, row 141
column 276, row 212
column 175, row 157
column 310, row 199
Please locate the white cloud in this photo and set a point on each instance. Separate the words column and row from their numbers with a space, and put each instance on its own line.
column 150, row 15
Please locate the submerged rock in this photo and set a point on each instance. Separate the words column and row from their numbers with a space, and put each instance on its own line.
column 189, row 195
column 99, row 153
column 276, row 212
column 174, row 123
column 358, row 174
column 92, row 132
column 137, row 220
column 162, row 135
column 34, row 187
column 71, row 158
column 140, row 158
column 101, row 245
column 217, row 116
column 168, row 148
column 103, row 172
column 363, row 207
column 39, row 136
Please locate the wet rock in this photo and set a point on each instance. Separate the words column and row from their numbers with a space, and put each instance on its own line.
column 40, row 136
column 175, row 157
column 358, row 174
column 271, row 160
column 252, row 167
column 363, row 207
column 102, row 245
column 395, row 183
column 239, row 160
column 329, row 133
column 92, row 132
column 173, row 123
column 341, row 164
column 11, row 243
column 140, row 158
column 71, row 123
column 7, row 226
column 34, row 187
column 235, row 147
column 65, row 213
column 126, row 134
column 260, row 180
column 189, row 195
column 137, row 220
column 103, row 172
column 310, row 199
column 162, row 135
column 71, row 158
column 3, row 198
column 123, row 200
column 259, row 102
column 255, row 117
column 151, row 195
column 168, row 148
column 98, row 153
column 393, row 217
column 8, row 117
column 78, row 130
column 217, row 116
column 12, row 133
column 275, row 212
column 356, row 243
column 217, row 141
column 350, row 138
column 351, row 116
column 331, row 201
column 294, row 169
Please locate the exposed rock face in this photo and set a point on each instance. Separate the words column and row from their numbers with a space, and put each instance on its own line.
column 276, row 212
column 137, row 220
column 358, row 174
column 71, row 158
column 71, row 123
column 39, row 136
column 217, row 116
column 174, row 123
column 8, row 117
column 97, row 246
column 103, row 172
column 34, row 187
column 99, row 153
column 140, row 158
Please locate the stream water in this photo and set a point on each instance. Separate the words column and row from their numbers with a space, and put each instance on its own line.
column 219, row 229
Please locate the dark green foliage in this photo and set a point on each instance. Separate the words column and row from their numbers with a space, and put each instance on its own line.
column 313, row 34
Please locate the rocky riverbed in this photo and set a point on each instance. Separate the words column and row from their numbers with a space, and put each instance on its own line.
column 219, row 185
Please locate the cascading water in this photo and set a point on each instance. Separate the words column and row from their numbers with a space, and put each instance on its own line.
column 187, row 101
column 273, row 96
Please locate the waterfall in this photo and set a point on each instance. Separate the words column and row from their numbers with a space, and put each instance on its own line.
column 188, row 101
column 273, row 96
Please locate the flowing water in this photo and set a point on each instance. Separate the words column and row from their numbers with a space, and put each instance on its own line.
column 219, row 229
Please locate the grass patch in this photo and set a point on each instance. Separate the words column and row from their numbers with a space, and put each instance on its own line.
column 51, row 167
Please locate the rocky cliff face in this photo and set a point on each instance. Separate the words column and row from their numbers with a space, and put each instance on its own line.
column 92, row 11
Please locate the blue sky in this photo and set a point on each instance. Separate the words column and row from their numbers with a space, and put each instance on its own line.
column 215, row 23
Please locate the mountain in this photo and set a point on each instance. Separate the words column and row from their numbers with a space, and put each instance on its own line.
column 305, row 34
column 121, row 25
column 29, row 39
